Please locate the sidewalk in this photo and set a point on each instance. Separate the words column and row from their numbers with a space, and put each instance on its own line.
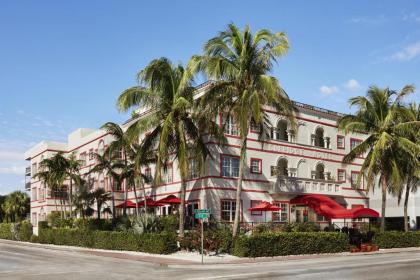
column 193, row 258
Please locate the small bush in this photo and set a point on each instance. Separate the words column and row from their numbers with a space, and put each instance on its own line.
column 217, row 240
column 42, row 224
column 34, row 239
column 289, row 243
column 24, row 231
column 397, row 239
column 6, row 231
column 168, row 223
column 158, row 243
column 92, row 224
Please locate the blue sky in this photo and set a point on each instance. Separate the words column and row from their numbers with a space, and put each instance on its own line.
column 63, row 63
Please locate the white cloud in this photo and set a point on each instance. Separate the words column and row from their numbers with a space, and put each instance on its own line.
column 16, row 170
column 8, row 155
column 375, row 20
column 328, row 90
column 408, row 53
column 352, row 85
column 411, row 17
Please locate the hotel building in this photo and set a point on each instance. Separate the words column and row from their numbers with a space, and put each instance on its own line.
column 293, row 162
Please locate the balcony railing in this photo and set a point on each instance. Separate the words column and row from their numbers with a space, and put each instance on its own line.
column 28, row 171
column 282, row 184
column 27, row 186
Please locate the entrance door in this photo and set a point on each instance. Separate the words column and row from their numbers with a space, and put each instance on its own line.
column 301, row 213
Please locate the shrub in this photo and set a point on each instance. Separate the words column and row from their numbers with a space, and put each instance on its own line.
column 397, row 239
column 289, row 243
column 168, row 223
column 92, row 224
column 217, row 240
column 21, row 231
column 42, row 224
column 158, row 243
column 54, row 220
column 6, row 231
column 24, row 231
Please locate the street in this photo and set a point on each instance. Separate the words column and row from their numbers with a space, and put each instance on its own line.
column 20, row 261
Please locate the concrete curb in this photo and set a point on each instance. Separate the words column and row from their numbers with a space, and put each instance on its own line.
column 173, row 261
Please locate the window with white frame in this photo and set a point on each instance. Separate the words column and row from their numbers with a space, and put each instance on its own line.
column 354, row 177
column 256, row 165
column 34, row 194
column 228, row 209
column 354, row 143
column 166, row 174
column 230, row 166
column 193, row 171
column 34, row 169
column 283, row 214
column 230, row 125
column 341, row 175
column 340, row 142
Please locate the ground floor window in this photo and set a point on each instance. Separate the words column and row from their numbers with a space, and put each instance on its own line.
column 281, row 215
column 228, row 208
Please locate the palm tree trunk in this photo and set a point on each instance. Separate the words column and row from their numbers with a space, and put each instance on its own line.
column 125, row 197
column 71, row 197
column 407, row 194
column 136, row 199
column 112, row 199
column 98, row 208
column 384, row 190
column 182, row 208
column 239, row 189
column 143, row 189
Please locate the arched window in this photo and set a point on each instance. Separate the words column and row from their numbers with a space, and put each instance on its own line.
column 319, row 137
column 282, row 130
column 319, row 171
column 282, row 167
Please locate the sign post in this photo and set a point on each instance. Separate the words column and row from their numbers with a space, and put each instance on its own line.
column 202, row 214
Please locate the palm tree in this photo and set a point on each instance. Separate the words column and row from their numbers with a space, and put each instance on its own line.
column 83, row 199
column 100, row 196
column 54, row 173
column 120, row 144
column 239, row 62
column 107, row 164
column 73, row 168
column 175, row 130
column 16, row 206
column 410, row 166
column 381, row 116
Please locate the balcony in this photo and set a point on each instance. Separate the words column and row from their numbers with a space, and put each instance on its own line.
column 28, row 186
column 28, row 171
column 283, row 184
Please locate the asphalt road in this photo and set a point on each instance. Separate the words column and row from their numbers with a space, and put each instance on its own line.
column 24, row 262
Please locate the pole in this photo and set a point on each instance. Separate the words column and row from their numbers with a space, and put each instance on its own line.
column 202, row 241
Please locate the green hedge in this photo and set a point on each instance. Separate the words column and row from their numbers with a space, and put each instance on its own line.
column 289, row 243
column 21, row 231
column 397, row 239
column 6, row 231
column 158, row 243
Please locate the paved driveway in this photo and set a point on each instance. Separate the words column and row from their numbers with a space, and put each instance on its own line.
column 25, row 262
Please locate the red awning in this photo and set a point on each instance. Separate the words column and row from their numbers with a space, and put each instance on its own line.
column 129, row 204
column 170, row 199
column 327, row 207
column 150, row 203
column 265, row 206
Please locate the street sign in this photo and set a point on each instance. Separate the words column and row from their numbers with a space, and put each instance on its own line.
column 202, row 213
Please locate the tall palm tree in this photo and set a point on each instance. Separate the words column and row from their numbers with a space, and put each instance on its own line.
column 83, row 199
column 16, row 206
column 410, row 166
column 54, row 174
column 381, row 115
column 107, row 164
column 175, row 130
column 120, row 144
column 100, row 196
column 239, row 62
column 73, row 169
